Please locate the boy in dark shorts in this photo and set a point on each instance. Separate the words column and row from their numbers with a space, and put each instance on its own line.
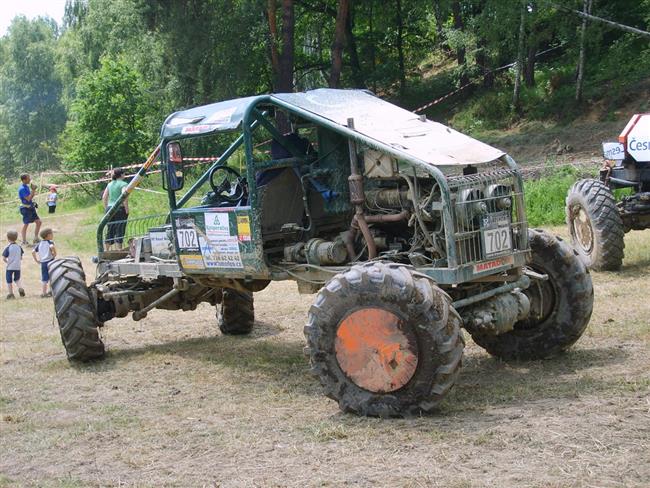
column 26, row 193
column 13, row 255
column 43, row 253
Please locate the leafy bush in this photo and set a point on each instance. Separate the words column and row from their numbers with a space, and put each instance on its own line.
column 545, row 197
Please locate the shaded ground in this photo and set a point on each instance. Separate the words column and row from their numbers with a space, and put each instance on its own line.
column 177, row 404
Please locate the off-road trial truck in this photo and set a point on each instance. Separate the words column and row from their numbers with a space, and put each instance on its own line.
column 405, row 229
column 597, row 219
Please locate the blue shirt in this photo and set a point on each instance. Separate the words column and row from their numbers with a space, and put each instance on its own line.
column 23, row 192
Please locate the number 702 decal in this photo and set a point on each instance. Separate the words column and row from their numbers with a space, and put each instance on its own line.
column 187, row 239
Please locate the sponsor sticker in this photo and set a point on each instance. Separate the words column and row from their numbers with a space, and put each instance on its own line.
column 217, row 225
column 243, row 228
column 494, row 264
column 222, row 253
column 192, row 261
column 221, row 116
column 638, row 140
column 197, row 129
column 159, row 243
column 613, row 150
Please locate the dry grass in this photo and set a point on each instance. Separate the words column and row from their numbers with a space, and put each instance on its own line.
column 177, row 404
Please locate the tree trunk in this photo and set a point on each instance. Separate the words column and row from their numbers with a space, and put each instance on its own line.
column 520, row 58
column 286, row 58
column 273, row 42
column 460, row 50
column 339, row 43
column 400, row 45
column 355, row 65
column 437, row 11
column 373, row 50
column 484, row 64
column 529, row 69
column 581, row 60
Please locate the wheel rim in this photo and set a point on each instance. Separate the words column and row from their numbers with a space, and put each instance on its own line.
column 376, row 350
column 543, row 301
column 582, row 230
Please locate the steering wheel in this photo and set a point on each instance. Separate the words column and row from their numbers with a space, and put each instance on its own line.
column 227, row 184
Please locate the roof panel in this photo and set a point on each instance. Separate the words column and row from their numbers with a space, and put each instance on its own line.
column 374, row 119
column 216, row 117
column 377, row 119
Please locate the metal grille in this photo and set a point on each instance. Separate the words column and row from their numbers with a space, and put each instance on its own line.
column 488, row 215
column 125, row 230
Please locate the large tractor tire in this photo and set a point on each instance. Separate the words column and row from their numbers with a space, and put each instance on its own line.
column 75, row 310
column 560, row 307
column 595, row 225
column 237, row 313
column 384, row 341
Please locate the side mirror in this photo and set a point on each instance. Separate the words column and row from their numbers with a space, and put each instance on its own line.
column 174, row 172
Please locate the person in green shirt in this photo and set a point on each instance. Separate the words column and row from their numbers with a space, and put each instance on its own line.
column 117, row 225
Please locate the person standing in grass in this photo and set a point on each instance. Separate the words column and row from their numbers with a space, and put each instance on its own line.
column 52, row 198
column 43, row 253
column 13, row 255
column 117, row 224
column 26, row 193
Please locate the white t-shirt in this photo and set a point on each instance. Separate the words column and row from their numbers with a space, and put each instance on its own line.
column 51, row 199
column 14, row 253
column 44, row 250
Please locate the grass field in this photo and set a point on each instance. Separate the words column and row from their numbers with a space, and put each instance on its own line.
column 177, row 404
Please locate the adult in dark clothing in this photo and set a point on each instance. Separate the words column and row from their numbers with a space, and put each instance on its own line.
column 26, row 193
column 117, row 225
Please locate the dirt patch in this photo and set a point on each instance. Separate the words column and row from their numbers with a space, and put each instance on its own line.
column 177, row 404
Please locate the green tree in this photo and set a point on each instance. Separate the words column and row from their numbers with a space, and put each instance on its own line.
column 31, row 113
column 107, row 124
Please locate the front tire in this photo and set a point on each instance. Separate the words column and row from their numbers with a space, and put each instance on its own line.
column 560, row 308
column 595, row 225
column 384, row 341
column 237, row 313
column 75, row 310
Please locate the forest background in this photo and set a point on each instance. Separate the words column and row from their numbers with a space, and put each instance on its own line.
column 93, row 92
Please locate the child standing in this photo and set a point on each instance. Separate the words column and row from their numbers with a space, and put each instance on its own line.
column 52, row 197
column 43, row 253
column 13, row 255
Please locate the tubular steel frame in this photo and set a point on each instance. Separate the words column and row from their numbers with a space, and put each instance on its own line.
column 456, row 271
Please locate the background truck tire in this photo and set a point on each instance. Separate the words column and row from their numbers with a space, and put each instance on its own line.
column 595, row 225
column 237, row 313
column 75, row 310
column 417, row 375
column 560, row 307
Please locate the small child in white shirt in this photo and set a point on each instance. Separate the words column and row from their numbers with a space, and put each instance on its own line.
column 13, row 255
column 43, row 253
column 52, row 198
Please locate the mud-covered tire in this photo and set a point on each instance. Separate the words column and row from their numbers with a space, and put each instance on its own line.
column 595, row 225
column 237, row 314
column 560, row 307
column 75, row 310
column 426, row 316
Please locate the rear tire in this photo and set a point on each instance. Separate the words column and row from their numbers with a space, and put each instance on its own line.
column 237, row 313
column 384, row 341
column 75, row 310
column 595, row 225
column 560, row 308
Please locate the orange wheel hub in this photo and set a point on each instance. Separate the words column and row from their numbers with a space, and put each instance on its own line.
column 375, row 350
